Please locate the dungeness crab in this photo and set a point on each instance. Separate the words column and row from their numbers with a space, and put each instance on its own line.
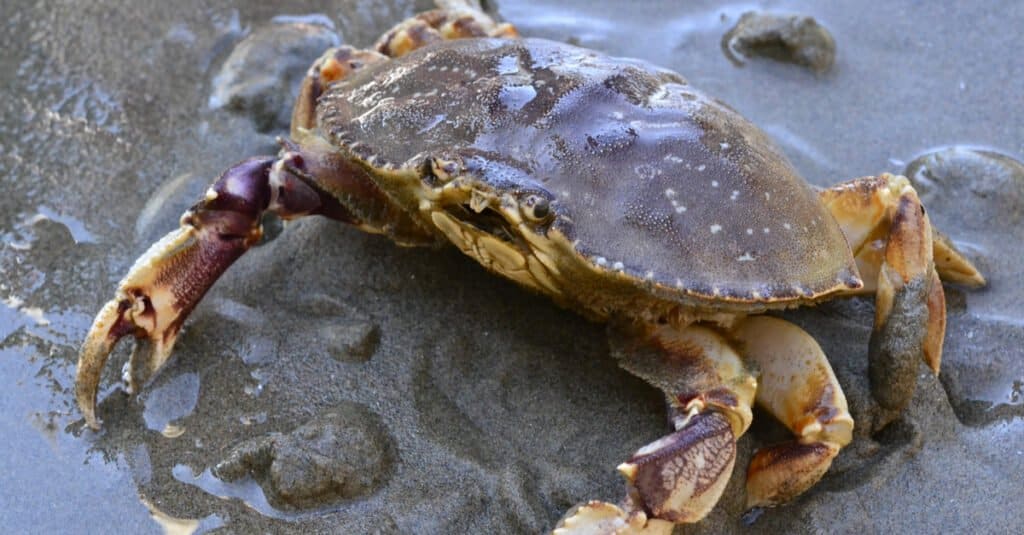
column 618, row 190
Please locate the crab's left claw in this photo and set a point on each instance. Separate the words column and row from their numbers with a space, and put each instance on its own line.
column 167, row 282
column 904, row 261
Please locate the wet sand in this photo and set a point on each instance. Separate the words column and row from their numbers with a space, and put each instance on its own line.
column 500, row 410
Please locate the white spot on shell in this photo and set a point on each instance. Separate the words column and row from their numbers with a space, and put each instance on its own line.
column 745, row 257
column 715, row 229
column 680, row 209
column 767, row 196
column 714, row 183
column 670, row 193
column 735, row 195
column 701, row 167
column 516, row 97
column 766, row 230
column 507, row 65
column 724, row 146
column 601, row 261
column 750, row 231
column 787, row 226
column 618, row 266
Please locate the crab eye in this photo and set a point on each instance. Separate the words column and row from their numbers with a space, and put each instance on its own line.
column 536, row 208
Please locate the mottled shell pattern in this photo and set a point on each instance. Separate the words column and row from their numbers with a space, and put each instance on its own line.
column 606, row 183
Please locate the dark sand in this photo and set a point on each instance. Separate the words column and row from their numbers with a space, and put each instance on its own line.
column 499, row 410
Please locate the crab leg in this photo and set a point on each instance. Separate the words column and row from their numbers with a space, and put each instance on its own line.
column 415, row 32
column 168, row 280
column 798, row 387
column 438, row 25
column 896, row 250
column 166, row 283
column 680, row 477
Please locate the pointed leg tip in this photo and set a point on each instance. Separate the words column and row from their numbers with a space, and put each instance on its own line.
column 92, row 422
column 86, row 399
column 778, row 474
column 602, row 518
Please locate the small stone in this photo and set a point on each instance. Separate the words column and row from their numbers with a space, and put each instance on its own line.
column 342, row 454
column 979, row 186
column 261, row 77
column 793, row 39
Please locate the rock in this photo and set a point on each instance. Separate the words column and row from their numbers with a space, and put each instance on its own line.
column 790, row 38
column 978, row 195
column 951, row 178
column 262, row 75
column 354, row 341
column 342, row 454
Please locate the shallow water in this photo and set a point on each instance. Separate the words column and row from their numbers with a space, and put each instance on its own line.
column 504, row 410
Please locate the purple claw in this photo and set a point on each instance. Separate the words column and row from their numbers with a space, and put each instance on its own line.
column 167, row 282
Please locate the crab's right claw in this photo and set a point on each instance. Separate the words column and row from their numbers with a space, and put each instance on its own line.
column 167, row 282
column 108, row 327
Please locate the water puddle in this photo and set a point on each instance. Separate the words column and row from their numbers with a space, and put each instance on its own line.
column 247, row 490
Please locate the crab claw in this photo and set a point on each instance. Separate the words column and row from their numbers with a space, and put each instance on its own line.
column 167, row 282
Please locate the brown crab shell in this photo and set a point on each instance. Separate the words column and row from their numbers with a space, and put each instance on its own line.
column 651, row 183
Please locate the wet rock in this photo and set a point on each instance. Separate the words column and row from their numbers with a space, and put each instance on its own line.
column 950, row 177
column 790, row 38
column 978, row 195
column 262, row 75
column 342, row 454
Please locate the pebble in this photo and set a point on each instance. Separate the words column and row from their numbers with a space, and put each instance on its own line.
column 262, row 75
column 794, row 39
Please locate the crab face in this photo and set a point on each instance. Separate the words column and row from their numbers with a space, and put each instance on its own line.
column 509, row 226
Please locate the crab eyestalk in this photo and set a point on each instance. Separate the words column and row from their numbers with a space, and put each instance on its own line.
column 166, row 283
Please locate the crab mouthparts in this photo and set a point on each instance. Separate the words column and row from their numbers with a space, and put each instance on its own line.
column 487, row 220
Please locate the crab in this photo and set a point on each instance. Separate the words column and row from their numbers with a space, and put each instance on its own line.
column 616, row 189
